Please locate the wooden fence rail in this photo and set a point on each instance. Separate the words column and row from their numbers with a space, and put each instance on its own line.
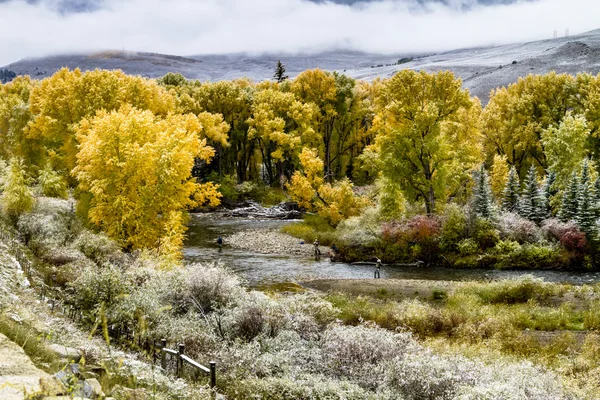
column 181, row 359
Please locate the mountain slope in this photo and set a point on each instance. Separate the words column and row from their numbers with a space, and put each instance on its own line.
column 482, row 69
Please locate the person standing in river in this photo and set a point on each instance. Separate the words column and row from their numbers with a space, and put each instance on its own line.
column 377, row 273
column 220, row 243
column 317, row 250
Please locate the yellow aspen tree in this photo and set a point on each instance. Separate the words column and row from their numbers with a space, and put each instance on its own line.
column 335, row 202
column 513, row 121
column 280, row 123
column 499, row 175
column 60, row 102
column 15, row 116
column 137, row 168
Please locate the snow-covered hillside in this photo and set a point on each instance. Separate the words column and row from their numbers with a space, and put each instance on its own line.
column 481, row 69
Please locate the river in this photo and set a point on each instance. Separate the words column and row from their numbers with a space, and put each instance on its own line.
column 263, row 269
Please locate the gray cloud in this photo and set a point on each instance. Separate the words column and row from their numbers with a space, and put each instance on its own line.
column 186, row 27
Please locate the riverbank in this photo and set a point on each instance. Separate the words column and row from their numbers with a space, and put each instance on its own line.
column 385, row 288
column 271, row 241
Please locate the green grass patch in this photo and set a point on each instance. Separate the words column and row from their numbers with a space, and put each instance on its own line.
column 32, row 342
column 311, row 228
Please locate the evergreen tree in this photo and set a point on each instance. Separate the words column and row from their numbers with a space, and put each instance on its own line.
column 531, row 204
column 548, row 193
column 483, row 201
column 568, row 209
column 280, row 75
column 586, row 211
column 510, row 194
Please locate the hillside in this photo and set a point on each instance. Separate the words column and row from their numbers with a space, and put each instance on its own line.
column 481, row 69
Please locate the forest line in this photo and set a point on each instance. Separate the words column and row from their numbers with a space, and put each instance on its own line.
column 139, row 153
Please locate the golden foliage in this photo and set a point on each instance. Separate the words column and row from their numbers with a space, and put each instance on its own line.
column 17, row 198
column 137, row 167
column 333, row 202
column 60, row 102
column 499, row 175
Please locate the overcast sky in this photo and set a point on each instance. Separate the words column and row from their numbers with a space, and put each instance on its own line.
column 30, row 28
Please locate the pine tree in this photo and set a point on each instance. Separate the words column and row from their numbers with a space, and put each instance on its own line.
column 531, row 203
column 586, row 211
column 510, row 194
column 548, row 193
column 280, row 72
column 483, row 201
column 568, row 209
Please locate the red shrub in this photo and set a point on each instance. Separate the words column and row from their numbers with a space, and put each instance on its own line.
column 418, row 230
column 567, row 233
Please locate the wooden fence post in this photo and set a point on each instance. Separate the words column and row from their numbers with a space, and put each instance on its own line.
column 163, row 355
column 180, row 360
column 213, row 374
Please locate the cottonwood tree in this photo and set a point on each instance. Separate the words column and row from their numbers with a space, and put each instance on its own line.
column 137, row 168
column 565, row 146
column 17, row 198
column 280, row 123
column 516, row 116
column 60, row 102
column 498, row 175
column 335, row 202
column 427, row 134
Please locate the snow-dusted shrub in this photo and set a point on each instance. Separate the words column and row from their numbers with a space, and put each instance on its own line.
column 204, row 288
column 308, row 312
column 360, row 230
column 49, row 226
column 304, row 387
column 97, row 287
column 424, row 375
column 505, row 380
column 516, row 228
column 95, row 246
column 361, row 353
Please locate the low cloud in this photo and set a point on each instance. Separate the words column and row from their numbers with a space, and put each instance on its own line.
column 188, row 27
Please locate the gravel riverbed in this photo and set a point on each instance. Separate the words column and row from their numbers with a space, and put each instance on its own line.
column 270, row 241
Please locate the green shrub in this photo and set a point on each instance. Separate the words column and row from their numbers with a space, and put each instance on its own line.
column 485, row 234
column 467, row 247
column 507, row 247
column 533, row 256
column 454, row 228
column 511, row 291
column 311, row 228
column 52, row 184
column 439, row 294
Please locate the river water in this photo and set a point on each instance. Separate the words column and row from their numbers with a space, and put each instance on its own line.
column 263, row 269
